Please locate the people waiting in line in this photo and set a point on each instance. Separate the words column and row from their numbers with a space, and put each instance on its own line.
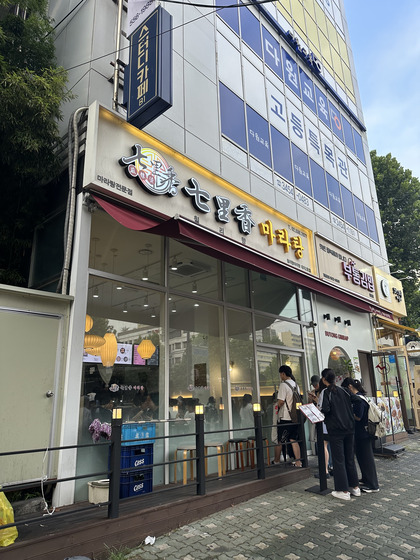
column 339, row 420
column 363, row 440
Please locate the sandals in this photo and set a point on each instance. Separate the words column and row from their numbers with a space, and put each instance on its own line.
column 297, row 466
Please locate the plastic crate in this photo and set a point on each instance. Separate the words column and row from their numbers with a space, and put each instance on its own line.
column 136, row 483
column 138, row 431
column 136, row 456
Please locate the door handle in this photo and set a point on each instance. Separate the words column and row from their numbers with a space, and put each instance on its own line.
column 49, row 394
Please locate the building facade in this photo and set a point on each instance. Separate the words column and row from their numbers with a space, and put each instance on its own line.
column 236, row 232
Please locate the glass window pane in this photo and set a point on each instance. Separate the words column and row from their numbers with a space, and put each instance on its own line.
column 241, row 371
column 192, row 272
column 250, row 31
column 334, row 195
column 258, row 137
column 318, row 183
column 349, row 214
column 360, row 216
column 197, row 364
column 301, row 170
column 348, row 134
column 373, row 232
column 273, row 295
column 139, row 254
column 281, row 154
column 359, row 146
column 277, row 332
column 232, row 116
column 229, row 15
column 236, row 285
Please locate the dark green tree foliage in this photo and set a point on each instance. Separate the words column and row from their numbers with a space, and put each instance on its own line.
column 32, row 88
column 399, row 204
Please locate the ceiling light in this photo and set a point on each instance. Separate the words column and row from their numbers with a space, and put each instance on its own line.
column 194, row 289
column 146, row 301
column 173, row 309
column 125, row 308
column 145, row 275
column 174, row 264
column 95, row 293
column 119, row 288
column 196, row 305
column 153, row 314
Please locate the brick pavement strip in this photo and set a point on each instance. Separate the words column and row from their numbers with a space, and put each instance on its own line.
column 292, row 524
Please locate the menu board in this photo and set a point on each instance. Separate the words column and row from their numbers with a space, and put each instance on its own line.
column 391, row 407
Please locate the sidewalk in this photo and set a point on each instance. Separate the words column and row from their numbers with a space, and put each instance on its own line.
column 292, row 524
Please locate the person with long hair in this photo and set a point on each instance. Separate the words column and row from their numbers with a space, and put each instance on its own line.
column 339, row 419
column 362, row 438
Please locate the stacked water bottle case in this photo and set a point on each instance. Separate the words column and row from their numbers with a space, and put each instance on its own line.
column 137, row 455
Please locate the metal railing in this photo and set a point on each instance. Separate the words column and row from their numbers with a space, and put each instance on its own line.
column 115, row 470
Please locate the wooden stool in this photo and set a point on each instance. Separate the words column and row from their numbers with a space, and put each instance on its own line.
column 251, row 447
column 221, row 470
column 239, row 451
column 185, row 449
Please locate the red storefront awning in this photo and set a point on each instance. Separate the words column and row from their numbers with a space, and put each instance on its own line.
column 226, row 249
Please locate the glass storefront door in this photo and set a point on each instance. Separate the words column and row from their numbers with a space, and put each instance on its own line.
column 268, row 363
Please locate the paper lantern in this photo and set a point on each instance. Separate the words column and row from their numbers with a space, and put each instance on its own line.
column 88, row 323
column 109, row 350
column 93, row 341
column 146, row 349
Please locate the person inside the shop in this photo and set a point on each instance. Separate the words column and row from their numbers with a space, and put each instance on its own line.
column 339, row 419
column 362, row 439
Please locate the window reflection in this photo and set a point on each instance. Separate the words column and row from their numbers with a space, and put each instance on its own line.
column 274, row 295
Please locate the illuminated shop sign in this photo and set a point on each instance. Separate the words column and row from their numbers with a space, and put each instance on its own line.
column 148, row 75
column 390, row 292
column 338, row 267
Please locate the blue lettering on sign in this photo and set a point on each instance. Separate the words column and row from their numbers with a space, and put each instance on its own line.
column 272, row 55
column 307, row 86
column 322, row 106
column 336, row 123
column 308, row 56
column 291, row 73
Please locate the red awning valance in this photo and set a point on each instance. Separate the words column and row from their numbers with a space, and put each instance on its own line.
column 228, row 250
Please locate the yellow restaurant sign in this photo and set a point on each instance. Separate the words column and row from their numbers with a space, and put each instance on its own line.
column 133, row 167
column 390, row 292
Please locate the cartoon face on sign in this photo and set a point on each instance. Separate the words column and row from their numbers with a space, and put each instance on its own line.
column 151, row 170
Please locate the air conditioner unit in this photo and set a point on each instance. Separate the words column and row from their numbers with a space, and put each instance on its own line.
column 190, row 268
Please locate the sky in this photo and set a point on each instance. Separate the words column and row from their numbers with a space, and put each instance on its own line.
column 385, row 39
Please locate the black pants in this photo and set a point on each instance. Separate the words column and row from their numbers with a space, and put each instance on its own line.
column 364, row 454
column 345, row 472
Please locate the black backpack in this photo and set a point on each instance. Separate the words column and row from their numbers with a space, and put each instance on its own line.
column 296, row 399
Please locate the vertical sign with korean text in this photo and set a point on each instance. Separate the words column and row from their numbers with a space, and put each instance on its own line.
column 148, row 76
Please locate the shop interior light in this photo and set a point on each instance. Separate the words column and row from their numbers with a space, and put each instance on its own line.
column 146, row 349
column 93, row 342
column 88, row 323
column 194, row 289
column 153, row 314
column 125, row 310
column 145, row 275
column 174, row 264
column 379, row 394
column 116, row 413
column 173, row 308
column 256, row 407
column 327, row 316
column 199, row 409
column 95, row 293
column 337, row 319
column 146, row 301
column 109, row 350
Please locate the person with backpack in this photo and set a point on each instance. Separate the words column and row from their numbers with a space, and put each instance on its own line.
column 288, row 430
column 363, row 440
column 339, row 419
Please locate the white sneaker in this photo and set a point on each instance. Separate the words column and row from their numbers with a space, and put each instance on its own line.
column 355, row 491
column 341, row 495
